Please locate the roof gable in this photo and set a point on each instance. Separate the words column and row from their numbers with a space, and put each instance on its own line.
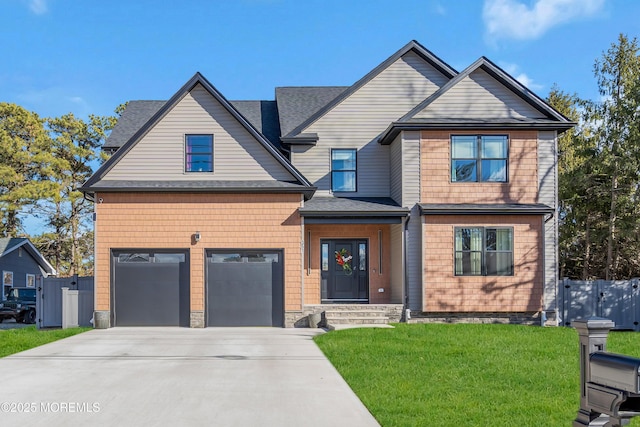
column 201, row 96
column 483, row 91
column 444, row 69
column 9, row 245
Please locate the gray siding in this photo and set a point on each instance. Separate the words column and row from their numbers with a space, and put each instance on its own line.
column 548, row 194
column 395, row 160
column 20, row 263
column 397, row 263
column 414, row 260
column 479, row 96
column 159, row 155
column 410, row 168
column 360, row 118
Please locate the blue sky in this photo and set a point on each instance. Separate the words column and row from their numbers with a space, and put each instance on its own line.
column 85, row 57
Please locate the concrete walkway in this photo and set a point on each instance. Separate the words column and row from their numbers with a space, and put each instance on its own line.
column 178, row 377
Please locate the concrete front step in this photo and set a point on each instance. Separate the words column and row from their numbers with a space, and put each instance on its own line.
column 367, row 325
column 355, row 313
column 357, row 320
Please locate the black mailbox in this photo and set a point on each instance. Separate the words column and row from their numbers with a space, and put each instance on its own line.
column 615, row 370
column 610, row 383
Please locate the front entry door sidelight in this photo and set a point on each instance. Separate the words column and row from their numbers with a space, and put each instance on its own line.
column 344, row 270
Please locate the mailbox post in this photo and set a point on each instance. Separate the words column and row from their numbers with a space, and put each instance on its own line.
column 609, row 383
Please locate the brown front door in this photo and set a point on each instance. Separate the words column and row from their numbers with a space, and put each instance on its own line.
column 344, row 270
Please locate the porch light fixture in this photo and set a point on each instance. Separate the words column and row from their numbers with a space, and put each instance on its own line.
column 196, row 236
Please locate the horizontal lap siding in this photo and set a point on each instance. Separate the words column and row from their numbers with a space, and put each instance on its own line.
column 160, row 153
column 445, row 292
column 411, row 168
column 142, row 220
column 436, row 171
column 395, row 166
column 547, row 156
column 358, row 120
column 479, row 96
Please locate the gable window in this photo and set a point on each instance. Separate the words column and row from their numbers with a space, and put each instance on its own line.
column 343, row 170
column 481, row 251
column 198, row 153
column 479, row 158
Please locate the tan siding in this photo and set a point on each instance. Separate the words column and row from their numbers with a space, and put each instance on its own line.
column 143, row 220
column 395, row 160
column 479, row 96
column 436, row 171
column 547, row 159
column 160, row 153
column 445, row 292
column 411, row 168
column 361, row 117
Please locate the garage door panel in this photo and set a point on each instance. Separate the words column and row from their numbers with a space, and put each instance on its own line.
column 245, row 289
column 150, row 291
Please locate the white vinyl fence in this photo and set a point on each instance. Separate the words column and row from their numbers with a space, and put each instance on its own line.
column 77, row 300
column 618, row 300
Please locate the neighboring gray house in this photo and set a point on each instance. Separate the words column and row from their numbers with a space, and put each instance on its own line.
column 21, row 264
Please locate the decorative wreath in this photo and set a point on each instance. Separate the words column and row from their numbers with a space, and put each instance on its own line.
column 344, row 258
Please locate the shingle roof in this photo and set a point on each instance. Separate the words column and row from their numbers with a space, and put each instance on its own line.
column 209, row 186
column 134, row 116
column 297, row 104
column 197, row 79
column 485, row 208
column 354, row 206
column 263, row 115
column 444, row 68
column 9, row 244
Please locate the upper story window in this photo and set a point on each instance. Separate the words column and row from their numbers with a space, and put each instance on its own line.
column 481, row 251
column 343, row 170
column 198, row 153
column 479, row 158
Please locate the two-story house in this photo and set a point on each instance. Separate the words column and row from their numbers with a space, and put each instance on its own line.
column 418, row 189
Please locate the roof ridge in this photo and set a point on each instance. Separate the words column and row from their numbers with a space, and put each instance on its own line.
column 197, row 78
column 426, row 54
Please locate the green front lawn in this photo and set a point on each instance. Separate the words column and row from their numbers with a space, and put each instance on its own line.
column 466, row 375
column 17, row 340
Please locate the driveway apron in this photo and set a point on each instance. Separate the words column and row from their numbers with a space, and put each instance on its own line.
column 178, row 377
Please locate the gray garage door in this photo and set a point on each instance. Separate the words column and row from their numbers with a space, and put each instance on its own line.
column 245, row 288
column 150, row 288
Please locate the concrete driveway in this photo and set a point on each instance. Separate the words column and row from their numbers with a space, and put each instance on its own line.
column 178, row 377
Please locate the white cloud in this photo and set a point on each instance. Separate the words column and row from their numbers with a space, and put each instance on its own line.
column 39, row 7
column 437, row 8
column 54, row 101
column 517, row 20
column 527, row 81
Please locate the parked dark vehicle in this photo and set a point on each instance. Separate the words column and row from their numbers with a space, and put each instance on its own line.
column 20, row 305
